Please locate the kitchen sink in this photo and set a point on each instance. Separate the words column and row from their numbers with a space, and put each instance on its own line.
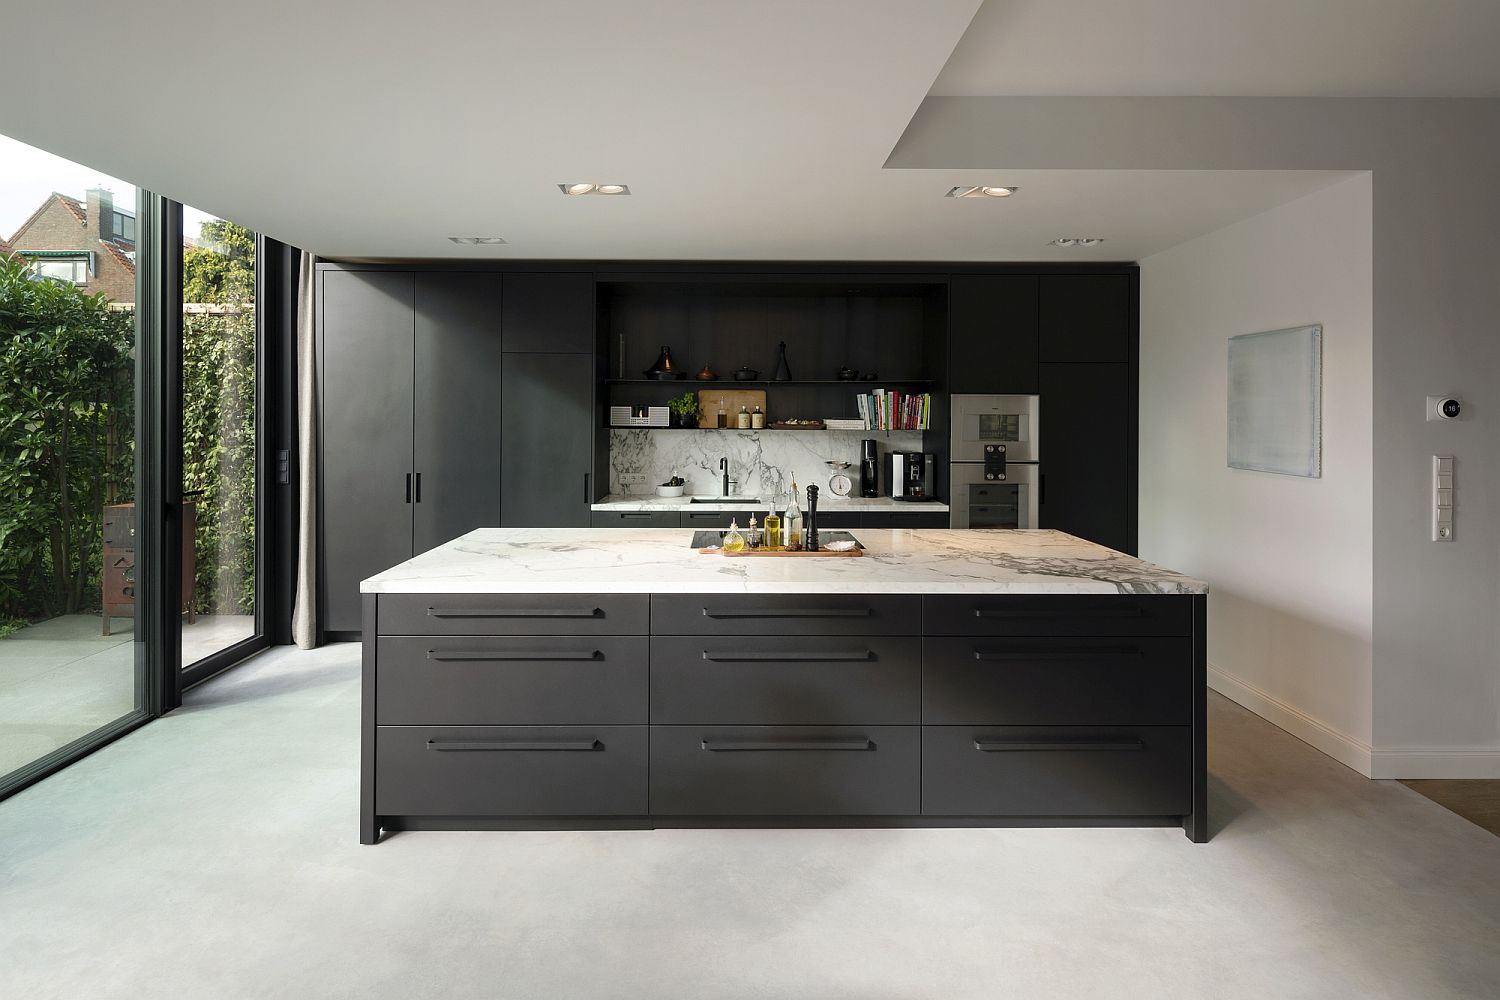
column 725, row 499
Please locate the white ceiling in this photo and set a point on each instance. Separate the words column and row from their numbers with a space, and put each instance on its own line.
column 1228, row 48
column 745, row 131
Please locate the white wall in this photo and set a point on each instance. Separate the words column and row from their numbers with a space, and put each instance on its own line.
column 1290, row 559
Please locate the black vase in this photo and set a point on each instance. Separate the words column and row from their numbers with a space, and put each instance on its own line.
column 783, row 371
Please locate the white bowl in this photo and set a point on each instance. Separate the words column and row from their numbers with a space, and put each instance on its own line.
column 669, row 491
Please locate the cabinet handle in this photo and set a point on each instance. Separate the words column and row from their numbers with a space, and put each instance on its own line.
column 547, row 654
column 726, row 746
column 801, row 613
column 637, row 513
column 408, row 487
column 587, row 493
column 822, row 656
column 1007, row 746
column 448, row 746
column 1131, row 611
column 419, row 487
column 1076, row 653
column 514, row 612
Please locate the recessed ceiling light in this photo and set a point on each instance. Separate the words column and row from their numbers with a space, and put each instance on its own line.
column 982, row 191
column 588, row 188
column 478, row 241
column 1077, row 241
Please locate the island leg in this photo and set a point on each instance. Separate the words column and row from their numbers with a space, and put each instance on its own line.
column 1195, row 823
column 369, row 823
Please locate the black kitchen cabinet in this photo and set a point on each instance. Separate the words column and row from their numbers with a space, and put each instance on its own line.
column 992, row 323
column 1088, row 484
column 367, row 367
column 635, row 519
column 1085, row 317
column 456, row 433
column 548, row 406
column 904, row 519
column 549, row 313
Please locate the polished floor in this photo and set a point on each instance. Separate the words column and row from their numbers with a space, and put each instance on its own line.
column 214, row 854
column 1476, row 801
column 62, row 679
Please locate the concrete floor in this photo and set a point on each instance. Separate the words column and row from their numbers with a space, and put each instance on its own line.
column 213, row 854
column 60, row 679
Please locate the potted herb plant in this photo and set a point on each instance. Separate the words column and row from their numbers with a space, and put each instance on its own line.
column 684, row 410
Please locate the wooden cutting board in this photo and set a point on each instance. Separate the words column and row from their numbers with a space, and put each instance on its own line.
column 708, row 404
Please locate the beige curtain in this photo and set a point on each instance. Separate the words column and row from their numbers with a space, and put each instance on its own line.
column 305, row 607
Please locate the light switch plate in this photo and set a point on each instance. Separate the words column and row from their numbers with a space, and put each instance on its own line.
column 1442, row 498
column 632, row 478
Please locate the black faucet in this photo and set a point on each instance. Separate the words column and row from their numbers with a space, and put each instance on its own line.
column 724, row 465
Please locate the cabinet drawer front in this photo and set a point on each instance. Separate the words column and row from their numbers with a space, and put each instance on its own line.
column 785, row 770
column 791, row 614
column 510, row 770
column 705, row 519
column 512, row 614
column 636, row 519
column 1085, row 681
column 512, row 681
column 785, row 680
column 1056, row 771
column 1070, row 614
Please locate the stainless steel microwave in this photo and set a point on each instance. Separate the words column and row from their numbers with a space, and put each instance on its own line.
column 1008, row 420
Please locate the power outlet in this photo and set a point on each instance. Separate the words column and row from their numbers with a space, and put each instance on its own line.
column 632, row 478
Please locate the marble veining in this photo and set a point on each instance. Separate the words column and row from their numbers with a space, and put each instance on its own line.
column 660, row 560
column 764, row 462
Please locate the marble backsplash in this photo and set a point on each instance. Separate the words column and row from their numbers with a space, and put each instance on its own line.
column 764, row 462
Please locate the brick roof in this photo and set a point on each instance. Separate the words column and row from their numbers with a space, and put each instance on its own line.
column 73, row 205
column 119, row 255
column 5, row 249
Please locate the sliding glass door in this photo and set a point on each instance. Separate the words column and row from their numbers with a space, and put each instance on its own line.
column 73, row 664
column 220, row 422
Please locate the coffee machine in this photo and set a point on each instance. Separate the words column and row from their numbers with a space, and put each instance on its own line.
column 908, row 475
column 869, row 469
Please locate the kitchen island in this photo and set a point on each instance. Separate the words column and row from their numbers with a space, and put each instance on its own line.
column 566, row 678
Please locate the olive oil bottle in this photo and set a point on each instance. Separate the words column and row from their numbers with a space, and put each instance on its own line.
column 772, row 527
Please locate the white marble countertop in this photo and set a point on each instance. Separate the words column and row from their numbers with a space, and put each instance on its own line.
column 826, row 502
column 661, row 560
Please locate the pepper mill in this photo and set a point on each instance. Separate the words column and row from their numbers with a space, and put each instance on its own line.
column 810, row 518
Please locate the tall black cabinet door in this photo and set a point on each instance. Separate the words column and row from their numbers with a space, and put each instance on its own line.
column 547, row 400
column 456, row 454
column 1085, row 317
column 549, row 313
column 366, row 368
column 992, row 326
column 1086, row 457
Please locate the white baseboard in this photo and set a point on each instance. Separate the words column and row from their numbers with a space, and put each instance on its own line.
column 1340, row 746
column 1411, row 762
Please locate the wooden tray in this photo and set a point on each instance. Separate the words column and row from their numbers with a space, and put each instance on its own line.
column 856, row 551
column 708, row 405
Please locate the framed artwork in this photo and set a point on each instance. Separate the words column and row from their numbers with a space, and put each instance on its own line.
column 1276, row 401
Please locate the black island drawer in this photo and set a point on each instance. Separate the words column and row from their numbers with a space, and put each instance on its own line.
column 512, row 680
column 785, row 771
column 790, row 614
column 635, row 519
column 1082, row 681
column 510, row 770
column 512, row 614
column 1056, row 771
column 786, row 680
column 1060, row 614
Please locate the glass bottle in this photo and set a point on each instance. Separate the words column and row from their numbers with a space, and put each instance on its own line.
column 723, row 418
column 791, row 522
column 752, row 534
column 733, row 540
column 772, row 525
column 742, row 421
column 757, row 418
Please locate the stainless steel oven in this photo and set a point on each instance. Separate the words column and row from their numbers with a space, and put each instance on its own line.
column 1007, row 420
column 976, row 502
column 993, row 474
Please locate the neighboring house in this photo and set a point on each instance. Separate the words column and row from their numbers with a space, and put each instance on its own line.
column 90, row 243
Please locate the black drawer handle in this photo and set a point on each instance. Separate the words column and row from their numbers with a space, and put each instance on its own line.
column 548, row 654
column 1007, row 746
column 1076, row 653
column 514, row 612
column 723, row 746
column 447, row 746
column 1126, row 612
column 800, row 613
column 822, row 656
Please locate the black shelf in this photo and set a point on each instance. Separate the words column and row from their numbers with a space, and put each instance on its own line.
column 759, row 382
